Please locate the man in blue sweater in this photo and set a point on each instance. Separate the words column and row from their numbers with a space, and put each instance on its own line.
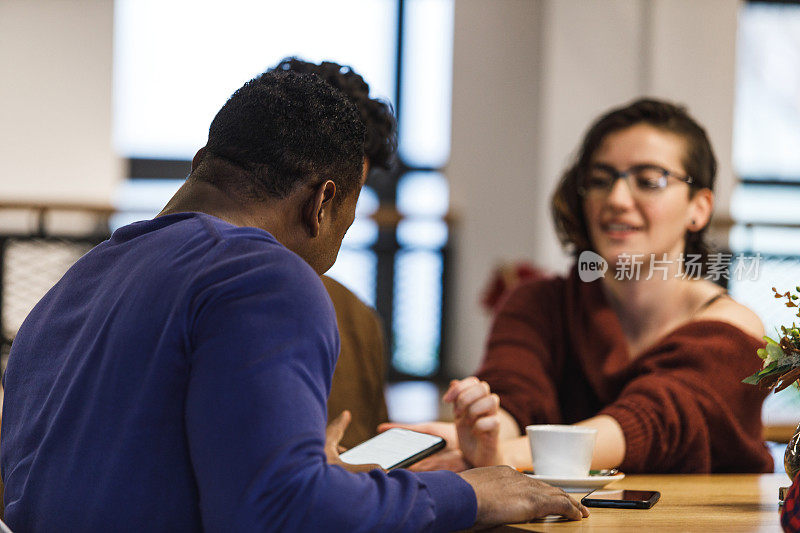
column 175, row 379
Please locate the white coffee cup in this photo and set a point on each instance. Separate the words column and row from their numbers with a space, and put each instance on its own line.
column 561, row 451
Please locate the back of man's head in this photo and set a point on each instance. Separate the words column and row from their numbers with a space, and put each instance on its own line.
column 279, row 130
column 380, row 142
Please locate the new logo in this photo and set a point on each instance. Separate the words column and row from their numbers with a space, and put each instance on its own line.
column 591, row 266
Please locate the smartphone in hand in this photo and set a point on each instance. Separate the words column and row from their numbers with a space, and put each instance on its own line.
column 394, row 448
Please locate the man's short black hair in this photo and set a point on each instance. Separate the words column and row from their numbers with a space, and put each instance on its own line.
column 282, row 129
column 380, row 143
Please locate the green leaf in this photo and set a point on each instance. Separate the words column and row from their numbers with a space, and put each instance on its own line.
column 769, row 369
column 774, row 353
column 752, row 380
column 772, row 368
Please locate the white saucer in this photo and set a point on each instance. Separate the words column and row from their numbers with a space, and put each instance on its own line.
column 578, row 484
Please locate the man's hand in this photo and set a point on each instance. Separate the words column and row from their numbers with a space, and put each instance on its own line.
column 506, row 496
column 449, row 458
column 333, row 435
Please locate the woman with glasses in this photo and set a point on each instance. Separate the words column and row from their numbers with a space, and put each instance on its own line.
column 635, row 341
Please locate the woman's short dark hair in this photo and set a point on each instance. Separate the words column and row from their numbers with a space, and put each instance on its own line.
column 699, row 163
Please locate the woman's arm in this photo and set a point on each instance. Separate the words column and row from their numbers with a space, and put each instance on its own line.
column 609, row 448
column 488, row 434
column 685, row 409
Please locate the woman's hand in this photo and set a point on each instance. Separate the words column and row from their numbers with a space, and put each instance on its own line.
column 452, row 460
column 477, row 424
column 446, row 430
column 474, row 439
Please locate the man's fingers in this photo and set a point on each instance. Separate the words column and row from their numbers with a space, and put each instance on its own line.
column 368, row 467
column 504, row 495
column 570, row 508
column 584, row 512
column 561, row 503
column 556, row 501
column 335, row 430
column 333, row 434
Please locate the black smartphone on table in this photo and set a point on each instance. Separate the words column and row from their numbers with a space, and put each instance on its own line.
column 622, row 499
column 394, row 448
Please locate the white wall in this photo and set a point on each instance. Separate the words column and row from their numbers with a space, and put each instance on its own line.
column 693, row 61
column 55, row 101
column 494, row 156
column 528, row 78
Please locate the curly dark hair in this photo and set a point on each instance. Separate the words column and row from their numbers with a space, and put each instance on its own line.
column 281, row 129
column 380, row 143
column 699, row 163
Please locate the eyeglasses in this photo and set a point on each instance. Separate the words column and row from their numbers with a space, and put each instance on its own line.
column 647, row 179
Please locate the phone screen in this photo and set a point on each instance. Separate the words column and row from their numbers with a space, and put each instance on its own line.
column 632, row 499
column 393, row 448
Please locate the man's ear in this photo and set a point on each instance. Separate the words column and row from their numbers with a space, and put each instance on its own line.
column 318, row 206
column 201, row 153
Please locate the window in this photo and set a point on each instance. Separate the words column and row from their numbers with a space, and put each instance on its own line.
column 177, row 62
column 766, row 204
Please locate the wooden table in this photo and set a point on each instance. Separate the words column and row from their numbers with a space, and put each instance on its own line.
column 717, row 502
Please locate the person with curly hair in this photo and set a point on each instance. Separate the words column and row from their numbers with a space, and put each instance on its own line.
column 380, row 141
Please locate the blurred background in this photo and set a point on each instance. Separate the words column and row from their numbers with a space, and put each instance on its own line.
column 103, row 104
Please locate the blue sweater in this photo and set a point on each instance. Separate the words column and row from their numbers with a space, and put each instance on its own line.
column 175, row 379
